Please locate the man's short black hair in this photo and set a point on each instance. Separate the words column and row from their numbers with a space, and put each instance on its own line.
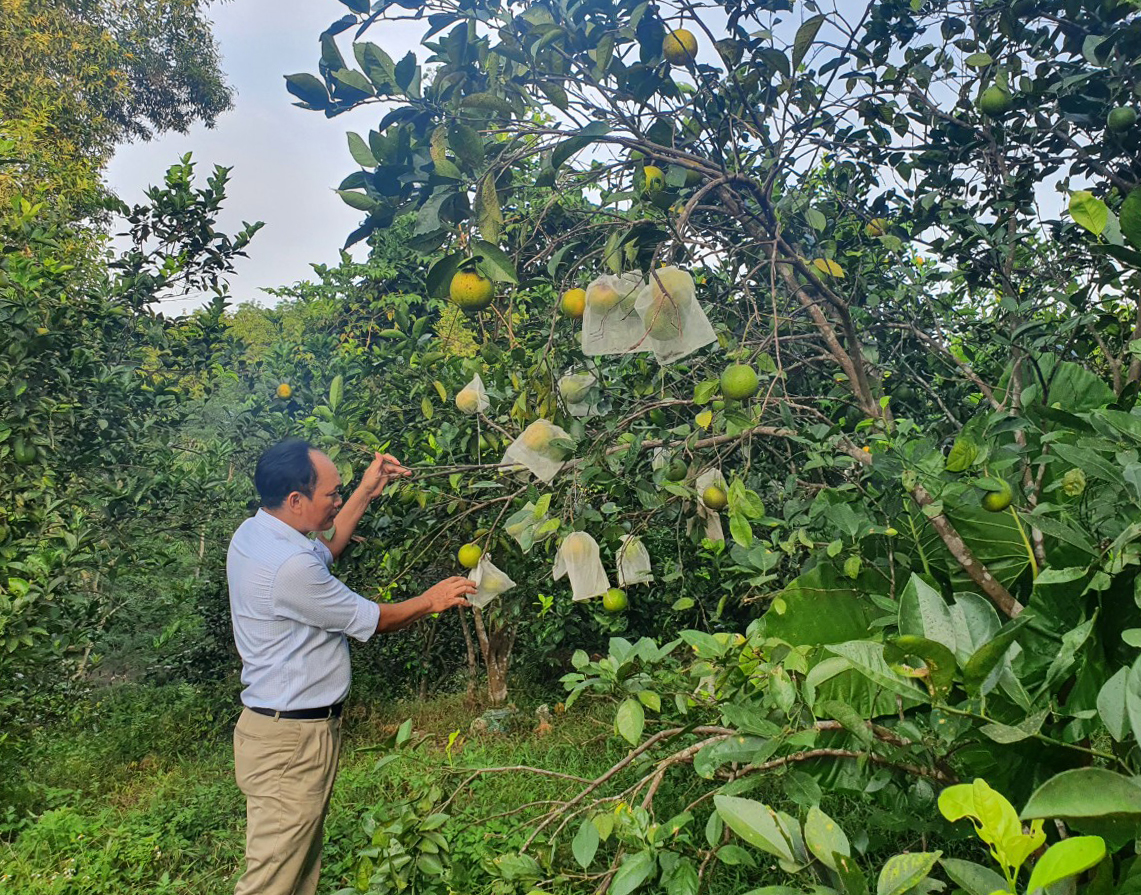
column 282, row 469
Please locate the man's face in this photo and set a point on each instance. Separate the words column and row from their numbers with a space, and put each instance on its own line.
column 321, row 509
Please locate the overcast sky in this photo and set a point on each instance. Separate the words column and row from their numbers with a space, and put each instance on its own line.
column 286, row 161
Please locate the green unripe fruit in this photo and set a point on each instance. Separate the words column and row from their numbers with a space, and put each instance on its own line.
column 614, row 600
column 739, row 382
column 1121, row 119
column 1074, row 482
column 995, row 101
column 677, row 470
column 715, row 498
column 997, row 501
column 22, row 451
column 469, row 555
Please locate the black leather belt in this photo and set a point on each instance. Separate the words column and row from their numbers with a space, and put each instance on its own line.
column 329, row 711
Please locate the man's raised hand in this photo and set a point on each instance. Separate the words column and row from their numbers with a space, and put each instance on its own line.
column 380, row 472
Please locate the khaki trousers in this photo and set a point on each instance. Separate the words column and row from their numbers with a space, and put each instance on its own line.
column 286, row 769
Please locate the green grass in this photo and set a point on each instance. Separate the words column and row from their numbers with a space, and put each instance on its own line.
column 136, row 795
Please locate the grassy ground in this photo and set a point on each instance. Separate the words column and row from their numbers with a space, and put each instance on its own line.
column 136, row 795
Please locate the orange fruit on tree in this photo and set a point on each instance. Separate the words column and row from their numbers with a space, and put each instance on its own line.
column 574, row 303
column 715, row 498
column 469, row 555
column 680, row 47
column 739, row 382
column 471, row 291
column 614, row 600
column 284, row 391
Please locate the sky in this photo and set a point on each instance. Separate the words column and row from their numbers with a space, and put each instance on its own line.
column 286, row 161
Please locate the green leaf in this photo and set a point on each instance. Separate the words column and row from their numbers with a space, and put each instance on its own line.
column 962, row 455
column 755, row 823
column 681, row 879
column 585, row 843
column 1085, row 792
column 630, row 721
column 868, row 658
column 1065, row 859
column 978, row 60
column 973, row 878
column 1130, row 218
column 984, row 660
column 309, row 89
column 634, row 871
column 824, row 838
column 1089, row 211
column 496, row 264
column 489, row 216
column 939, row 660
column 580, row 141
column 360, row 152
column 336, row 387
column 805, row 35
column 1111, row 705
column 904, row 872
column 924, row 613
column 359, row 201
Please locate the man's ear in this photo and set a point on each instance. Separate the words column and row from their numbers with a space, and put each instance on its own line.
column 293, row 500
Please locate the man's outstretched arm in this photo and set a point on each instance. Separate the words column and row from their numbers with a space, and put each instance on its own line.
column 448, row 593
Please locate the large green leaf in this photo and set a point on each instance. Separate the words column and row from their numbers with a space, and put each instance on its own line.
column 755, row 823
column 495, row 263
column 630, row 721
column 1130, row 218
column 1065, row 859
column 585, row 843
column 818, row 607
column 1111, row 705
column 904, row 872
column 824, row 838
column 924, row 613
column 634, row 870
column 867, row 658
column 973, row 878
column 309, row 89
column 1085, row 792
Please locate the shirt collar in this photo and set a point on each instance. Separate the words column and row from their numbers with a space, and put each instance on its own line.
column 282, row 530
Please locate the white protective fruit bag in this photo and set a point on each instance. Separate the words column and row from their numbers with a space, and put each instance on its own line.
column 534, row 450
column 490, row 582
column 633, row 562
column 472, row 398
column 578, row 559
column 610, row 324
column 713, row 529
column 577, row 392
column 674, row 321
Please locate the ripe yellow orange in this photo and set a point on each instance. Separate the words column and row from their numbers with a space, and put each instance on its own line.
column 574, row 303
column 469, row 555
column 715, row 498
column 655, row 179
column 680, row 47
column 471, row 291
column 285, row 391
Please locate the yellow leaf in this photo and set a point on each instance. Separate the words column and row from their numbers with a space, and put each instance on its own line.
column 440, row 390
column 704, row 419
column 826, row 265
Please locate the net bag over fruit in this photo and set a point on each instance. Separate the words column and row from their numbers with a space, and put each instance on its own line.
column 489, row 581
column 577, row 392
column 633, row 562
column 537, row 449
column 578, row 559
column 674, row 322
column 610, row 324
column 472, row 398
column 532, row 525
column 712, row 518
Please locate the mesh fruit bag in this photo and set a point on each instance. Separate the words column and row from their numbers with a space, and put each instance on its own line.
column 633, row 562
column 674, row 321
column 578, row 394
column 490, row 582
column 578, row 559
column 532, row 524
column 610, row 323
column 538, row 450
column 472, row 398
column 712, row 518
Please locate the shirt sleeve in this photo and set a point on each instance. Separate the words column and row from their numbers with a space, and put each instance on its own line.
column 306, row 591
column 323, row 552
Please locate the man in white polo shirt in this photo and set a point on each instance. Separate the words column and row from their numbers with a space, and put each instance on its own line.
column 292, row 620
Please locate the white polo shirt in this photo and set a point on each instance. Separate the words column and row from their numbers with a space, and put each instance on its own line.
column 291, row 617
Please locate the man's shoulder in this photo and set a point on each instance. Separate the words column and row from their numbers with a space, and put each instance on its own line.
column 253, row 538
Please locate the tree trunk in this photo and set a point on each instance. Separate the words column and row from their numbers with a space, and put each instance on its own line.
column 496, row 645
column 472, row 666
